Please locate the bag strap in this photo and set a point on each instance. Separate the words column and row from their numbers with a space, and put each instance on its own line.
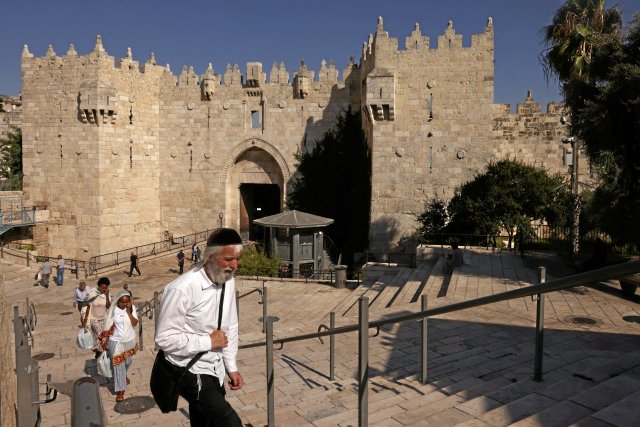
column 199, row 355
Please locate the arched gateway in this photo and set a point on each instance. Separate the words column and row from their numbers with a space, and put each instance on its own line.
column 255, row 177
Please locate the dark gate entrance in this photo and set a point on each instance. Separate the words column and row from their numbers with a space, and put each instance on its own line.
column 257, row 201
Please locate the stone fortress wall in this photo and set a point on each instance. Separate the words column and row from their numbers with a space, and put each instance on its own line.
column 124, row 154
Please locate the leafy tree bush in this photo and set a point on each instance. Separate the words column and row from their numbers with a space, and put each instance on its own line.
column 255, row 262
column 598, row 64
column 507, row 196
column 335, row 182
column 11, row 157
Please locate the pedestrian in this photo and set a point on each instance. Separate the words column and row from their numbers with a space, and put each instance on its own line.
column 180, row 257
column 79, row 297
column 197, row 253
column 60, row 271
column 193, row 252
column 134, row 264
column 119, row 338
column 454, row 259
column 46, row 270
column 95, row 311
column 198, row 314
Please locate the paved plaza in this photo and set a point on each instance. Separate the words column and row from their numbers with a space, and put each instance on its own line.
column 480, row 361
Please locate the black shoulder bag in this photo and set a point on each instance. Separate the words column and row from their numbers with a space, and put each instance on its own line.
column 166, row 377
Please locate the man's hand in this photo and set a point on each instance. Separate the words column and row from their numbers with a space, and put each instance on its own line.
column 235, row 380
column 218, row 339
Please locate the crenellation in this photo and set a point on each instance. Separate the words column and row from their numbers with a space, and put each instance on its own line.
column 450, row 39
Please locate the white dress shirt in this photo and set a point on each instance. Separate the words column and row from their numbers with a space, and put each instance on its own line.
column 188, row 314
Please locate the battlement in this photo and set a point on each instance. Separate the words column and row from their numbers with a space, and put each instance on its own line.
column 380, row 44
column 253, row 78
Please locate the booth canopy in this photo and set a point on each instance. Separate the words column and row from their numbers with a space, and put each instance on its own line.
column 293, row 219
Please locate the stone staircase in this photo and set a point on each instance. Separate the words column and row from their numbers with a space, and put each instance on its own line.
column 480, row 361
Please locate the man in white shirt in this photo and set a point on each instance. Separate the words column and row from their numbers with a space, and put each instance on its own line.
column 188, row 324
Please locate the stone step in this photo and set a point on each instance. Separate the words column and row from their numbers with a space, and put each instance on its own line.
column 392, row 287
column 417, row 280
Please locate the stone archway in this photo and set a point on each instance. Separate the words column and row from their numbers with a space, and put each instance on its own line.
column 255, row 174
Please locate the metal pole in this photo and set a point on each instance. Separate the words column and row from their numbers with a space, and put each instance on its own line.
column 363, row 363
column 575, row 232
column 332, row 347
column 141, row 341
column 264, row 306
column 537, row 371
column 423, row 348
column 28, row 261
column 270, row 379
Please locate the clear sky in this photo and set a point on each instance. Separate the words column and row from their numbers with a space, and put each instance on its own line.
column 198, row 32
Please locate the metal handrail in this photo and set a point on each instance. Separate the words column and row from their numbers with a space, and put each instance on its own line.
column 117, row 258
column 581, row 279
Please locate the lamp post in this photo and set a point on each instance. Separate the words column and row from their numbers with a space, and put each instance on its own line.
column 575, row 197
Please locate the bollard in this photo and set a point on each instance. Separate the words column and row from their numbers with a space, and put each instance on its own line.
column 28, row 259
column 423, row 348
column 537, row 370
column 332, row 347
column 341, row 276
column 86, row 405
column 363, row 363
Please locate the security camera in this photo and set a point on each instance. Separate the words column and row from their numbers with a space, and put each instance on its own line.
column 563, row 120
column 569, row 140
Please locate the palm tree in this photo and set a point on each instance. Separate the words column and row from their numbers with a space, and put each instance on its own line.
column 570, row 38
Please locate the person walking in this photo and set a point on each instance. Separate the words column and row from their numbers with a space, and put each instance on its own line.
column 198, row 314
column 46, row 270
column 120, row 339
column 180, row 257
column 134, row 264
column 95, row 312
column 60, row 271
column 79, row 297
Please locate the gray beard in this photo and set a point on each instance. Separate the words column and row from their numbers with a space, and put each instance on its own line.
column 220, row 276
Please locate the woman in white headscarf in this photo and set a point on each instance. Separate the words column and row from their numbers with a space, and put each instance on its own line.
column 119, row 336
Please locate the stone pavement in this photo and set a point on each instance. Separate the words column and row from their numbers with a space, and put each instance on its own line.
column 480, row 360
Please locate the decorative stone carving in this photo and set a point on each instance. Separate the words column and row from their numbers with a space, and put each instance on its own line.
column 98, row 103
column 208, row 84
column 302, row 81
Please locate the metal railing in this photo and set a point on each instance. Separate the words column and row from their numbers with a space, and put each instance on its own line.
column 117, row 258
column 397, row 258
column 364, row 325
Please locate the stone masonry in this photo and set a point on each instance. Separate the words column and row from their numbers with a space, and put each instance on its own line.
column 123, row 153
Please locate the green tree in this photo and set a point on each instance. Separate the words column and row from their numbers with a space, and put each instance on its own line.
column 434, row 218
column 604, row 104
column 575, row 28
column 335, row 182
column 255, row 262
column 11, row 157
column 508, row 195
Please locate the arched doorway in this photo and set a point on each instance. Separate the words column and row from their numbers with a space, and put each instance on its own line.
column 256, row 182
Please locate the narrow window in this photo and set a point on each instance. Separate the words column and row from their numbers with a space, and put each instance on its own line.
column 255, row 119
column 430, row 106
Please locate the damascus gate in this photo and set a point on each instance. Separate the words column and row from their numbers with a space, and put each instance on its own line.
column 123, row 152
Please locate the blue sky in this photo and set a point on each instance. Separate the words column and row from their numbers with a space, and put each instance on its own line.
column 198, row 32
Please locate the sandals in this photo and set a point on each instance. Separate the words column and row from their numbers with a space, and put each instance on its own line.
column 120, row 396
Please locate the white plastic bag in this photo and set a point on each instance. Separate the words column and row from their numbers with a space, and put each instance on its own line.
column 85, row 339
column 104, row 365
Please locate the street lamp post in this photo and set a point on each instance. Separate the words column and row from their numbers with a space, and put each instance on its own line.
column 575, row 197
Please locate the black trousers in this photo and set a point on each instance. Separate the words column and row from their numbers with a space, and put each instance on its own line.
column 209, row 407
